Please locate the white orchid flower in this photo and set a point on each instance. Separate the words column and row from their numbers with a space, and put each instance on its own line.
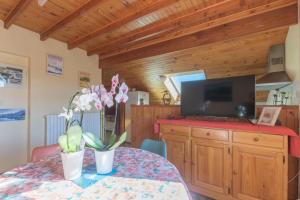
column 66, row 114
column 83, row 102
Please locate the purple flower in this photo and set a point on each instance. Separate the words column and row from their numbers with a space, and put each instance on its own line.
column 122, row 96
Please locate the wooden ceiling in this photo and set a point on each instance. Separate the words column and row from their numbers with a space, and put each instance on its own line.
column 235, row 57
column 144, row 39
column 119, row 30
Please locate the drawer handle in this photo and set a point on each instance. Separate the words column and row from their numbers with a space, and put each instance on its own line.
column 234, row 173
column 256, row 139
column 208, row 134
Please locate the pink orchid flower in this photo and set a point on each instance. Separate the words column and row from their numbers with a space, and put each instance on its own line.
column 114, row 83
column 122, row 96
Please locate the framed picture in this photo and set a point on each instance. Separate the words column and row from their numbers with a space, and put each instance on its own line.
column 269, row 116
column 84, row 79
column 54, row 65
column 12, row 115
column 11, row 75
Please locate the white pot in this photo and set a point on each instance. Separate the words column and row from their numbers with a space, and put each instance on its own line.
column 72, row 164
column 104, row 161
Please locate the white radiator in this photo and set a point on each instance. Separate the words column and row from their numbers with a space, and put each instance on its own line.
column 55, row 126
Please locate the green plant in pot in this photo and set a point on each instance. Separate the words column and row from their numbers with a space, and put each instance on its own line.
column 104, row 152
column 72, row 143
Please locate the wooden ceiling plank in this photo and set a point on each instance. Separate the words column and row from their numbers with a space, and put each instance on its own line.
column 122, row 21
column 68, row 18
column 155, row 28
column 173, row 34
column 15, row 11
column 272, row 20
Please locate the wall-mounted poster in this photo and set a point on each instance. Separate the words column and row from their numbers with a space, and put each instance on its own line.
column 54, row 65
column 11, row 75
column 84, row 79
column 12, row 115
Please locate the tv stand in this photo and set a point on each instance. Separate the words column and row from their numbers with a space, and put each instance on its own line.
column 229, row 160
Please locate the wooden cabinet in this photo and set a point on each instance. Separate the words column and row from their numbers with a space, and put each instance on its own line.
column 289, row 117
column 229, row 165
column 178, row 153
column 210, row 165
column 258, row 174
column 143, row 118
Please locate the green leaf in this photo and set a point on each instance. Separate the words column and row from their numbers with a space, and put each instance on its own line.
column 120, row 141
column 112, row 139
column 62, row 141
column 92, row 140
column 70, row 142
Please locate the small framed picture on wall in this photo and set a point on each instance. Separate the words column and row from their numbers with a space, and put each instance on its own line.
column 269, row 116
column 84, row 79
column 54, row 65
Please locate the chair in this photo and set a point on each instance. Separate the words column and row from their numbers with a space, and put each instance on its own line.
column 38, row 153
column 154, row 146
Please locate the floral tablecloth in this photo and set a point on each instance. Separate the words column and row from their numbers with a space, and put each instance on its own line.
column 140, row 175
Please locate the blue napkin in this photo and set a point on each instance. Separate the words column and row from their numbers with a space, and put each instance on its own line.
column 89, row 176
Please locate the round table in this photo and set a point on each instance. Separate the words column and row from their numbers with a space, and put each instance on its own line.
column 137, row 174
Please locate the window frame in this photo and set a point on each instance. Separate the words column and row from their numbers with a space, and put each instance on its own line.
column 174, row 87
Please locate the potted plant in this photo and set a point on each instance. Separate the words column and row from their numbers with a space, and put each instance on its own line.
column 71, row 142
column 104, row 153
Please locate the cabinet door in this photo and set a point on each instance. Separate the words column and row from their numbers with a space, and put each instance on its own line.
column 258, row 174
column 210, row 165
column 178, row 153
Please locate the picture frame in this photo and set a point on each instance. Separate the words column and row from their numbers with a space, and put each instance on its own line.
column 269, row 116
column 84, row 79
column 54, row 65
column 11, row 75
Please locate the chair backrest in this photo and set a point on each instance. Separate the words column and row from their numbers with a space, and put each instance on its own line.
column 154, row 146
column 38, row 153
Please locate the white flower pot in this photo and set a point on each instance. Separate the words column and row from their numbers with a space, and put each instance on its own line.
column 104, row 161
column 72, row 164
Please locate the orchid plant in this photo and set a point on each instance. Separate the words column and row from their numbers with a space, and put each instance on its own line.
column 99, row 98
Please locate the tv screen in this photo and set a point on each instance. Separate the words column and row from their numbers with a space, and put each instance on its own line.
column 227, row 97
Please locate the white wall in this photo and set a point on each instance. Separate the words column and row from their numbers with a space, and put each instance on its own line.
column 47, row 93
column 14, row 134
column 292, row 52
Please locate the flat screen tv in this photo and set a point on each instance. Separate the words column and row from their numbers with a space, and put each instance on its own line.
column 226, row 97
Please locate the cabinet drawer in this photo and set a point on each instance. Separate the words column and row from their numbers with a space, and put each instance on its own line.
column 179, row 130
column 213, row 134
column 260, row 139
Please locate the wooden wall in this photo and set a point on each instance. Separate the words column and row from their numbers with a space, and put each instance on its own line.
column 240, row 56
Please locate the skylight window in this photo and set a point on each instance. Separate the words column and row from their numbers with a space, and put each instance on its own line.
column 173, row 81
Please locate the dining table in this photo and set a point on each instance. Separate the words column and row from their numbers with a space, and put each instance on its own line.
column 137, row 175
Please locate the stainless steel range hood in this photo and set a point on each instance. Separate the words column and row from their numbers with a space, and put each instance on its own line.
column 276, row 77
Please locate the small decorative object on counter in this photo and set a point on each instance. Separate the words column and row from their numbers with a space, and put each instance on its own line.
column 280, row 97
column 167, row 98
column 269, row 116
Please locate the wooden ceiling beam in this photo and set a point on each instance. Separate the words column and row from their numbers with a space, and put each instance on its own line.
column 158, row 4
column 12, row 15
column 105, row 52
column 68, row 18
column 280, row 18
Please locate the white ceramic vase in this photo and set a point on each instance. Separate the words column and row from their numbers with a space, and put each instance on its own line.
column 72, row 164
column 104, row 161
